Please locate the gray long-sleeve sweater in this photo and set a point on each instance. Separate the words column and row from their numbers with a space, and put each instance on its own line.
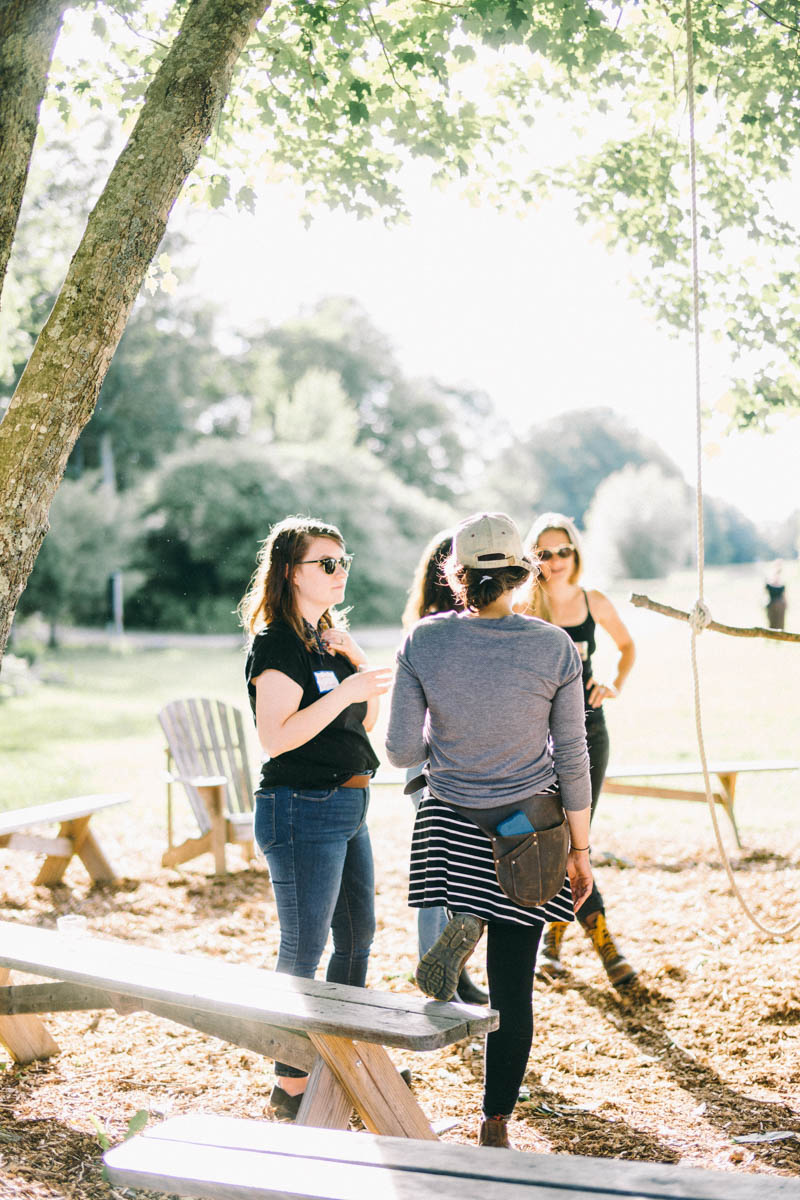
column 496, row 706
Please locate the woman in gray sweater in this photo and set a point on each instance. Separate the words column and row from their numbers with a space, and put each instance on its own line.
column 494, row 702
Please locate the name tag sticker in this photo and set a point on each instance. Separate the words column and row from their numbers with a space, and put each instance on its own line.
column 326, row 681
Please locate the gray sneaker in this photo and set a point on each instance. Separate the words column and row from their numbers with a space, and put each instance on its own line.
column 439, row 970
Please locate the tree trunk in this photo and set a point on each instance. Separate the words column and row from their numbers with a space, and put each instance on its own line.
column 58, row 390
column 28, row 33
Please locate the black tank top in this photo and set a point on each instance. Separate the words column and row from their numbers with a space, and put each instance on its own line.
column 583, row 637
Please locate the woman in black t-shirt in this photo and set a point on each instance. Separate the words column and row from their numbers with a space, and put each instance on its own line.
column 313, row 701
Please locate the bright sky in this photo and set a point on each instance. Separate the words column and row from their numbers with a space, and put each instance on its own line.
column 533, row 311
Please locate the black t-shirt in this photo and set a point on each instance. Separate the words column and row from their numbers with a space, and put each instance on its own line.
column 339, row 750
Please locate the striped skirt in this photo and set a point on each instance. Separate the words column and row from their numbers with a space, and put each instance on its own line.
column 452, row 867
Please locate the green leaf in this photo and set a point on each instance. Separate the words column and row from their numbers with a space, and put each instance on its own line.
column 219, row 191
column 357, row 112
column 137, row 1122
column 102, row 1136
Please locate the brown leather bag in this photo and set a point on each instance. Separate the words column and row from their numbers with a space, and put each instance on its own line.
column 530, row 867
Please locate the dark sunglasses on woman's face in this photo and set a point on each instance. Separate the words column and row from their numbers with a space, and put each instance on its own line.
column 559, row 552
column 329, row 565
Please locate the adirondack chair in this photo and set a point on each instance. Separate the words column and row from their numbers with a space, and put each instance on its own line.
column 207, row 755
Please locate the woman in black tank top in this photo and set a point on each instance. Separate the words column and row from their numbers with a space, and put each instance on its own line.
column 559, row 599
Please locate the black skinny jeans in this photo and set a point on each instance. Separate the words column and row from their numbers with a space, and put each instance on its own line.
column 598, row 746
column 510, row 962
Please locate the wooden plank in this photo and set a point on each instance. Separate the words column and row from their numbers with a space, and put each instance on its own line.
column 286, row 1045
column 231, row 757
column 247, row 993
column 270, row 1041
column 214, row 800
column 474, row 1166
column 210, row 1173
column 381, row 1097
column 247, row 781
column 26, row 1038
column 35, row 844
column 636, row 770
column 51, row 997
column 174, row 720
column 325, row 1102
column 659, row 793
column 189, row 849
column 296, row 1162
column 59, row 810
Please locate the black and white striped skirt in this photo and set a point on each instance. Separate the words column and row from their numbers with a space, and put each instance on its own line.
column 452, row 866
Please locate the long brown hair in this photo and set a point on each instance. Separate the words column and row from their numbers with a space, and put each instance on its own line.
column 429, row 592
column 533, row 598
column 271, row 595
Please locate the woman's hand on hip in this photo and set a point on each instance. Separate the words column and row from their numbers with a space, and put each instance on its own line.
column 366, row 685
column 598, row 692
column 339, row 641
column 580, row 876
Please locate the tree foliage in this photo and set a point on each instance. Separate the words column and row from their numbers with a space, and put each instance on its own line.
column 209, row 508
column 334, row 359
column 639, row 524
column 558, row 465
column 338, row 95
column 89, row 539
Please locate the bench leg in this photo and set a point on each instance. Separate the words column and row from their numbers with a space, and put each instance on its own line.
column 54, row 866
column 325, row 1102
column 214, row 800
column 728, row 784
column 25, row 1037
column 94, row 859
column 369, row 1077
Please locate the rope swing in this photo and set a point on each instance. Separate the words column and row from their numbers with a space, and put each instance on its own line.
column 700, row 616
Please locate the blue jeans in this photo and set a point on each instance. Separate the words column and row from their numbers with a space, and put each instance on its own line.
column 430, row 921
column 317, row 846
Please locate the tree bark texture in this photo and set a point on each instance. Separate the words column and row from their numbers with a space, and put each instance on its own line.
column 28, row 33
column 58, row 390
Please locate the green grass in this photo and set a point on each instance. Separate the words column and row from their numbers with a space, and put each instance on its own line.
column 92, row 726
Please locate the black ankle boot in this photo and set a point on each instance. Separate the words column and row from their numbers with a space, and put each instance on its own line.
column 286, row 1107
column 469, row 992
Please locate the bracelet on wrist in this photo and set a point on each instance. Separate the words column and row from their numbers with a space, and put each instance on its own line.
column 580, row 849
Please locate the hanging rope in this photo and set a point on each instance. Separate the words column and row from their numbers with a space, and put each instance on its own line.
column 700, row 616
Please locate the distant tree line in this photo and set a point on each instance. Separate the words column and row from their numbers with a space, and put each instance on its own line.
column 192, row 453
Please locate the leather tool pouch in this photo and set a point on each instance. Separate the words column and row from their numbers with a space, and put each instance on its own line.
column 530, row 867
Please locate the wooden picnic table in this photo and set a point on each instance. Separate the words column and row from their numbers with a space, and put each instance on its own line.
column 625, row 780
column 336, row 1032
column 225, row 1158
column 74, row 835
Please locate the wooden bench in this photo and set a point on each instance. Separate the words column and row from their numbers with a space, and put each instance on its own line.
column 225, row 1158
column 335, row 1032
column 74, row 835
column 623, row 781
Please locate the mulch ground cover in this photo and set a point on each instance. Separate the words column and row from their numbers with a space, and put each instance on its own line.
column 701, row 1052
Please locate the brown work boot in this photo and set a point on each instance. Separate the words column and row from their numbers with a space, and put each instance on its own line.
column 618, row 969
column 439, row 970
column 494, row 1132
column 549, row 964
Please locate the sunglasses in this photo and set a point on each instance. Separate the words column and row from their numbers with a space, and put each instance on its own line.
column 329, row 565
column 559, row 552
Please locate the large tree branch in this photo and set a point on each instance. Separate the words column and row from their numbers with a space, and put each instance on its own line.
column 58, row 390
column 28, row 33
column 748, row 631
